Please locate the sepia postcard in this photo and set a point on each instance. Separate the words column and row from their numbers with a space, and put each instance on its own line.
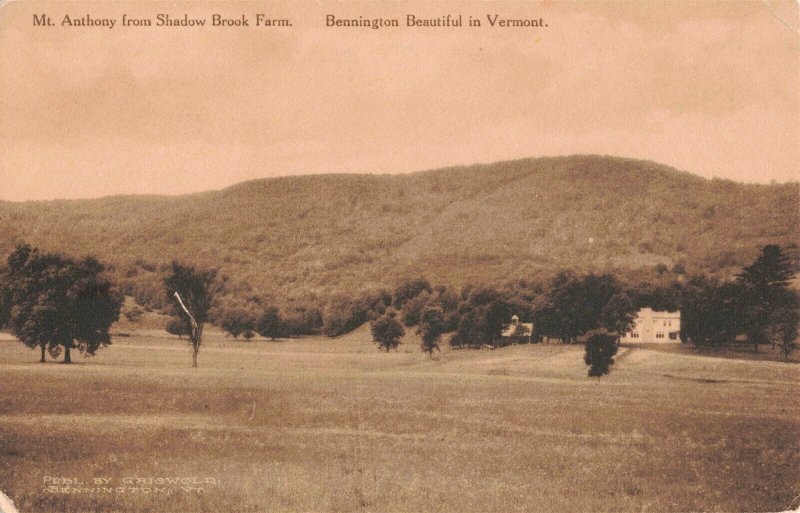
column 399, row 256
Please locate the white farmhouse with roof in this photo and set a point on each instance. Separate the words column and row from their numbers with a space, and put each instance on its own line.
column 654, row 326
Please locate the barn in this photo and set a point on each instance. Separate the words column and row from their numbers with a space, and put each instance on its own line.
column 516, row 332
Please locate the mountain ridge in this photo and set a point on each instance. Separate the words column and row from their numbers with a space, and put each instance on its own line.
column 311, row 235
column 154, row 196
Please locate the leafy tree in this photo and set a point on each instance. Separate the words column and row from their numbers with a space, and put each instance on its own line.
column 5, row 298
column 785, row 332
column 766, row 296
column 711, row 313
column 788, row 345
column 601, row 346
column 237, row 320
column 412, row 310
column 618, row 313
column 466, row 330
column 430, row 329
column 448, row 301
column 191, row 292
column 336, row 321
column 558, row 314
column 346, row 314
column 483, row 316
column 176, row 326
column 576, row 305
column 134, row 314
column 303, row 320
column 660, row 297
column 495, row 316
column 387, row 332
column 410, row 289
column 270, row 324
column 293, row 324
column 232, row 324
column 59, row 303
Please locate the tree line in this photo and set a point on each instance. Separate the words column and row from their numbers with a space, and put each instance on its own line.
column 57, row 304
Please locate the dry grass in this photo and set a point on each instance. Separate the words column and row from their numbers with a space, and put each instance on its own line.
column 335, row 425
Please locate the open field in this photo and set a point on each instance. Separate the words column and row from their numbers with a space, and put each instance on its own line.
column 335, row 425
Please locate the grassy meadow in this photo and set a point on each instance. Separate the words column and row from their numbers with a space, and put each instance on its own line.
column 335, row 425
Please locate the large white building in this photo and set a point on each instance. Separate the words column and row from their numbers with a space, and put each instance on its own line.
column 653, row 326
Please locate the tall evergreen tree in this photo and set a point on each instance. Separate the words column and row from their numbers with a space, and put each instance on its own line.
column 766, row 296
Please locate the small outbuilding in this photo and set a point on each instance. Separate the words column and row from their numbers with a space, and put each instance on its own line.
column 516, row 331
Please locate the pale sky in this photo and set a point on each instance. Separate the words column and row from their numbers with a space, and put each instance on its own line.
column 712, row 88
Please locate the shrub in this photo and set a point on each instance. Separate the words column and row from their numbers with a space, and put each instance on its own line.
column 601, row 347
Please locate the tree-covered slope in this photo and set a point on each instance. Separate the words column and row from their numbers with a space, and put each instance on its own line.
column 318, row 234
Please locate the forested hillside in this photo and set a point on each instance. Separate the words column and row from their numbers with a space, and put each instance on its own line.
column 307, row 236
